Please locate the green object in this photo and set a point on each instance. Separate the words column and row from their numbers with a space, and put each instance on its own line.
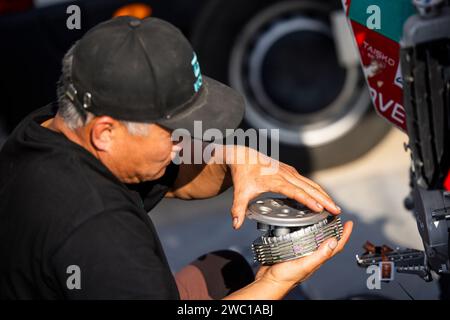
column 393, row 14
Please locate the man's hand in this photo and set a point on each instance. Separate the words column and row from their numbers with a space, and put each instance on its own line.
column 250, row 181
column 274, row 282
column 296, row 271
column 252, row 174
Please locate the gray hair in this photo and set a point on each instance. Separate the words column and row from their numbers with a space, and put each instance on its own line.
column 70, row 114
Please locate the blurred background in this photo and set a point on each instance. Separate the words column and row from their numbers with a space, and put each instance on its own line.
column 296, row 65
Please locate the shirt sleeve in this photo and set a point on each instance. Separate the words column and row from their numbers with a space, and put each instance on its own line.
column 113, row 256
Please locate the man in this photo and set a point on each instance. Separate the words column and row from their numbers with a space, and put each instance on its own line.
column 77, row 179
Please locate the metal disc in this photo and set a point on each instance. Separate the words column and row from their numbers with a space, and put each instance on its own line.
column 283, row 212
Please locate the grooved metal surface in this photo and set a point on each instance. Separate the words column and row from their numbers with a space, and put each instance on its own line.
column 291, row 230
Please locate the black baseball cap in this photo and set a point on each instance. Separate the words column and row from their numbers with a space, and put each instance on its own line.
column 146, row 71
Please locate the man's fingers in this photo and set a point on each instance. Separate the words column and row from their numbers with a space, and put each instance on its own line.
column 240, row 204
column 311, row 263
column 297, row 175
column 348, row 227
column 327, row 250
column 293, row 192
column 315, row 185
column 325, row 201
column 320, row 198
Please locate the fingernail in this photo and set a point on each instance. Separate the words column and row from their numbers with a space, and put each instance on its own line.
column 332, row 244
column 338, row 208
column 319, row 206
column 235, row 222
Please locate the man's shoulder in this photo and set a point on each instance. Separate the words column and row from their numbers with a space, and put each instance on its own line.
column 63, row 178
column 56, row 200
column 59, row 186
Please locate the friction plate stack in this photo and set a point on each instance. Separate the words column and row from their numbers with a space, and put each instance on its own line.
column 303, row 233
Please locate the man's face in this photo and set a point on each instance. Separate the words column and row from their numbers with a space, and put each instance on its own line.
column 135, row 158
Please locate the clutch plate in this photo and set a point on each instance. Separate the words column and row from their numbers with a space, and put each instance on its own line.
column 290, row 230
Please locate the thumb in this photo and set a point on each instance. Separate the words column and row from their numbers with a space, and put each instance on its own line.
column 320, row 256
column 239, row 209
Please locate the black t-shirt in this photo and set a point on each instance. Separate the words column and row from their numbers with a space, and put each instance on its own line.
column 69, row 229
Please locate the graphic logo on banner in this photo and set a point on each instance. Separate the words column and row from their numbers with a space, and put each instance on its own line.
column 399, row 77
column 393, row 15
column 377, row 27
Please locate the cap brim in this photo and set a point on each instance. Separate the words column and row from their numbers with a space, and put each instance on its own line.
column 217, row 107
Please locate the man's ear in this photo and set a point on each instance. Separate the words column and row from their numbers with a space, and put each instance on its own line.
column 103, row 131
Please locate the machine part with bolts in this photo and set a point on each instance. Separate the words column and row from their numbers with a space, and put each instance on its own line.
column 425, row 65
column 408, row 261
column 290, row 230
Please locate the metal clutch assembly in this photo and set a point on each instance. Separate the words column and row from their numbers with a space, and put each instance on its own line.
column 290, row 229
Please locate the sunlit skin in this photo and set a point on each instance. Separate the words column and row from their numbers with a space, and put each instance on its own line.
column 131, row 158
column 134, row 159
